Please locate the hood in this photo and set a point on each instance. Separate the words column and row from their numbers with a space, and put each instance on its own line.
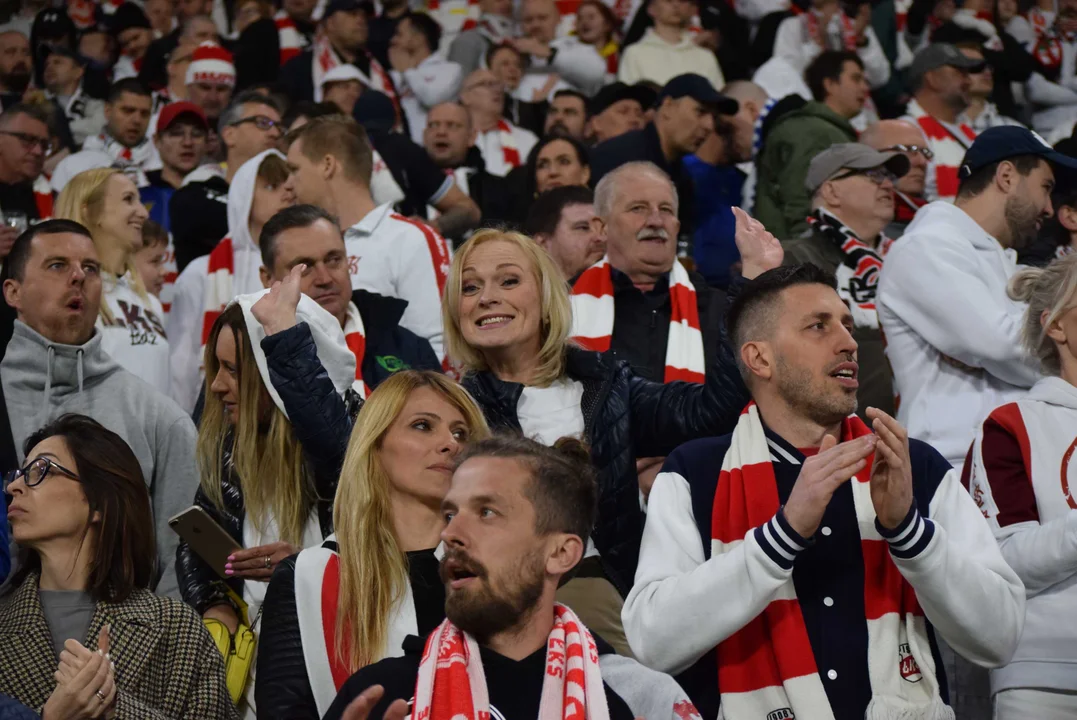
column 781, row 108
column 240, row 198
column 1054, row 391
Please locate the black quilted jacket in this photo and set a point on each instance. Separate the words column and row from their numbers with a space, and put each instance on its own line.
column 627, row 417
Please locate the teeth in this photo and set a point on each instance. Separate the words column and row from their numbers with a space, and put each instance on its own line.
column 844, row 373
column 497, row 319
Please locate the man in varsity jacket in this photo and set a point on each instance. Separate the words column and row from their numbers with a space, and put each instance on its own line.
column 802, row 566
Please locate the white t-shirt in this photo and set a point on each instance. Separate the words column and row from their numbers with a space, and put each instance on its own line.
column 550, row 413
column 135, row 337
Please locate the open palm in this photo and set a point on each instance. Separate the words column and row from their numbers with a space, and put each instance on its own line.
column 759, row 249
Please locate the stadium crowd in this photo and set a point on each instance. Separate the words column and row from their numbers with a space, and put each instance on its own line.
column 603, row 359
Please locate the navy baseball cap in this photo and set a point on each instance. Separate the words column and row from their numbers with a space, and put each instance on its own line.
column 336, row 6
column 1002, row 143
column 699, row 89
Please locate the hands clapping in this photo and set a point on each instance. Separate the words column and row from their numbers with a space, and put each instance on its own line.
column 85, row 683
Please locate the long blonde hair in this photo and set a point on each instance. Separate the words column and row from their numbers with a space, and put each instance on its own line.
column 266, row 456
column 556, row 311
column 1050, row 292
column 83, row 200
column 373, row 568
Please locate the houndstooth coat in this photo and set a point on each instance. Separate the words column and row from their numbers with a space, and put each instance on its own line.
column 166, row 663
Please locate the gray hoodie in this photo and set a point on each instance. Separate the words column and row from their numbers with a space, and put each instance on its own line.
column 43, row 380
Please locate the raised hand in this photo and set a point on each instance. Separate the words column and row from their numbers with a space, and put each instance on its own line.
column 360, row 707
column 891, row 472
column 759, row 250
column 820, row 477
column 251, row 563
column 275, row 310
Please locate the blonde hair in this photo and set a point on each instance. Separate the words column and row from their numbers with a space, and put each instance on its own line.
column 266, row 456
column 83, row 200
column 373, row 568
column 1050, row 292
column 556, row 309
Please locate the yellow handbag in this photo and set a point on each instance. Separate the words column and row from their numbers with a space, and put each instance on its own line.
column 237, row 650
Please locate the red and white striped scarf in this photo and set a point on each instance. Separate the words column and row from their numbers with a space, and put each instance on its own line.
column 219, row 287
column 326, row 58
column 593, row 310
column 43, row 198
column 949, row 152
column 452, row 686
column 768, row 665
column 355, row 337
column 291, row 41
column 848, row 29
column 509, row 151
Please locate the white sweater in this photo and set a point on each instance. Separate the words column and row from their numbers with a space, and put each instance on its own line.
column 658, row 61
column 135, row 336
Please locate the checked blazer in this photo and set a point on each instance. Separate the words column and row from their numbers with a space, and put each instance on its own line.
column 166, row 663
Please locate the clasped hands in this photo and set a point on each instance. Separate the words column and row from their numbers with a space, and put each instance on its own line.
column 85, row 683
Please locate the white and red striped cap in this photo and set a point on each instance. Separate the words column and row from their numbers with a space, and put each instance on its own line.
column 211, row 63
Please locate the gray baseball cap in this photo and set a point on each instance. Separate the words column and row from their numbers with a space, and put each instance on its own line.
column 851, row 156
column 939, row 55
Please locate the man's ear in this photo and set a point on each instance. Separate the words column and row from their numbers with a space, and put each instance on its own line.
column 267, row 279
column 330, row 167
column 566, row 552
column 603, row 229
column 12, row 291
column 542, row 240
column 756, row 356
column 228, row 135
column 1067, row 217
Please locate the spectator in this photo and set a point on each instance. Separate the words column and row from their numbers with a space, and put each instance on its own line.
column 16, row 70
column 557, row 161
column 133, row 33
column 503, row 145
column 211, row 76
column 981, row 113
column 563, row 222
column 494, row 27
column 667, row 50
column 383, row 28
column 554, row 63
column 151, row 258
column 852, row 189
column 260, row 189
column 906, row 138
column 567, row 114
column 952, row 368
column 180, row 138
column 82, row 517
column 198, row 210
column 686, row 112
column 387, row 520
column 24, row 143
column 64, row 72
column 782, row 202
column 501, row 582
column 342, row 86
column 507, row 329
column 796, row 352
column 1012, row 475
column 260, row 44
column 297, row 26
column 616, row 109
column 507, row 65
column 131, row 321
column 388, row 254
column 56, row 346
column 940, row 82
column 596, row 25
column 125, row 138
column 175, row 87
column 161, row 15
column 193, row 24
column 1058, row 236
column 424, row 78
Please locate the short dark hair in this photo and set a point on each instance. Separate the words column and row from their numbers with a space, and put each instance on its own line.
column 15, row 267
column 569, row 92
column 310, row 110
column 125, row 558
column 234, row 112
column 828, row 65
column 757, row 296
column 128, row 85
column 153, row 234
column 428, row 27
column 32, row 110
column 545, row 212
column 981, row 178
column 297, row 216
column 582, row 154
column 562, row 488
column 495, row 49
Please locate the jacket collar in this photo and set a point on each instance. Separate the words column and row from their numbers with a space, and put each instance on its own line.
column 371, row 221
column 380, row 313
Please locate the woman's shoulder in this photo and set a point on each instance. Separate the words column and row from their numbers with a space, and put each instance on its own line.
column 143, row 605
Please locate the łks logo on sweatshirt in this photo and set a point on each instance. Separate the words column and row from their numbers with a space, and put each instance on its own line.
column 908, row 666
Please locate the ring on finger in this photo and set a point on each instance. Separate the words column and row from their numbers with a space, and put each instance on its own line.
column 269, row 562
column 100, row 696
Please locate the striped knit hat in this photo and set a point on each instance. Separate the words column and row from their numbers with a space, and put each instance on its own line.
column 211, row 63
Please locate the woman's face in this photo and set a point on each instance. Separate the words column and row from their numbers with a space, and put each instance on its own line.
column 500, row 300
column 123, row 213
column 557, row 165
column 1064, row 335
column 418, row 449
column 225, row 384
column 591, row 27
column 57, row 508
column 270, row 199
column 1007, row 10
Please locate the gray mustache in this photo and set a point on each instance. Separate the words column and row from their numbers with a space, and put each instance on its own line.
column 648, row 233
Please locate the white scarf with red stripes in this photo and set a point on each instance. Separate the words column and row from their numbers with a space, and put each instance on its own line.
column 326, row 58
column 592, row 319
column 452, row 686
column 355, row 337
column 949, row 151
column 767, row 666
column 219, row 287
column 509, row 150
column 291, row 41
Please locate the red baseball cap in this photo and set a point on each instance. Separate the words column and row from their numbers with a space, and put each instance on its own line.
column 172, row 111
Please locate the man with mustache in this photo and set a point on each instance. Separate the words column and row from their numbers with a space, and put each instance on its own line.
column 516, row 513
column 908, row 139
column 852, row 191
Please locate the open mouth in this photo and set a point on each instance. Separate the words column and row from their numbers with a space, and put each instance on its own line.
column 847, row 374
column 76, row 304
column 493, row 321
column 457, row 575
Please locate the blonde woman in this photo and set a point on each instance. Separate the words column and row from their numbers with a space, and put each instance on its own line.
column 255, row 481
column 332, row 610
column 131, row 320
column 1022, row 474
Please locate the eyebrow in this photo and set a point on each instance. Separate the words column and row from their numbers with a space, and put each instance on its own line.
column 424, row 414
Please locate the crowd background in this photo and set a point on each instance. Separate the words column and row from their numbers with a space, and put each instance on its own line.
column 299, row 264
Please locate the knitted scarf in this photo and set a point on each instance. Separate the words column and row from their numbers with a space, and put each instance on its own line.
column 858, row 275
column 290, row 39
column 767, row 668
column 949, row 151
column 509, row 151
column 43, row 198
column 592, row 319
column 451, row 684
column 1048, row 49
column 355, row 337
column 219, row 290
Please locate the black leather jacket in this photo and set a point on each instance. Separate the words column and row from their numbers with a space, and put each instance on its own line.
column 626, row 417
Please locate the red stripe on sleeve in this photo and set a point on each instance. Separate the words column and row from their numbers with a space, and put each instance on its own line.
column 1007, row 457
column 439, row 251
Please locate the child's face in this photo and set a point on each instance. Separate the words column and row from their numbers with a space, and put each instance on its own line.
column 150, row 262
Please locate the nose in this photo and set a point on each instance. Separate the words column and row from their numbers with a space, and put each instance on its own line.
column 1048, row 209
column 142, row 212
column 17, row 486
column 846, row 343
column 322, row 278
column 708, row 121
column 218, row 385
column 449, row 445
column 454, row 532
column 488, row 296
column 275, row 132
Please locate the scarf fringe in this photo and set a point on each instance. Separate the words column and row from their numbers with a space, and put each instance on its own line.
column 883, row 708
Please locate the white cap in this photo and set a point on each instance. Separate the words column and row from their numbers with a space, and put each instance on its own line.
column 72, row 165
column 341, row 73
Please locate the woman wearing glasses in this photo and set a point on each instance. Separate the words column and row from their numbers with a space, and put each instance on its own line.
column 81, row 515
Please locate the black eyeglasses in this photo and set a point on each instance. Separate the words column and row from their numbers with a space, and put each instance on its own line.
column 30, row 141
column 877, row 175
column 35, row 473
column 261, row 122
column 926, row 152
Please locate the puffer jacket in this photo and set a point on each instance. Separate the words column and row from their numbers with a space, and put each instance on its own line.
column 626, row 417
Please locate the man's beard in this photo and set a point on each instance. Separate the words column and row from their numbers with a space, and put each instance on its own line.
column 559, row 129
column 483, row 612
column 1021, row 217
column 819, row 404
column 958, row 101
column 16, row 80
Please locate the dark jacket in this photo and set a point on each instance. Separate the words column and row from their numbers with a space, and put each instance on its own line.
column 256, row 54
column 296, row 77
column 198, row 213
column 490, row 193
column 626, row 417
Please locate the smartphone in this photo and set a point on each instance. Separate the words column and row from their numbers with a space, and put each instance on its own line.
column 208, row 539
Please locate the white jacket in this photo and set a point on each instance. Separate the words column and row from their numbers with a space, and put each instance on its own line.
column 658, row 61
column 496, row 148
column 135, row 336
column 942, row 294
column 394, row 256
column 791, row 42
column 579, row 66
column 435, row 80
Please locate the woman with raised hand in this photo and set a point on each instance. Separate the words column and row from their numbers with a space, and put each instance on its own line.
column 334, row 609
column 81, row 635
